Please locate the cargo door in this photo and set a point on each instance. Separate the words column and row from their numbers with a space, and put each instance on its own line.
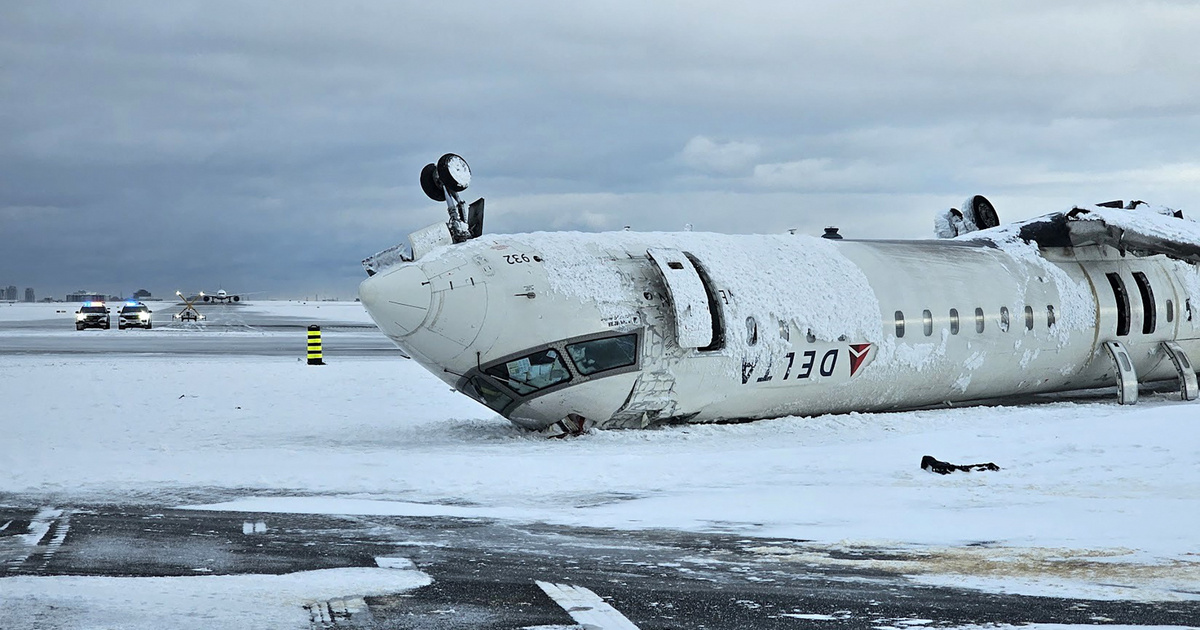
column 689, row 299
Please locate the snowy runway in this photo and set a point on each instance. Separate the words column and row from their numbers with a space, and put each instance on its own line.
column 1093, row 501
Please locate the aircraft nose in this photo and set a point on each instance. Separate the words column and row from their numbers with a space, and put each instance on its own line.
column 397, row 299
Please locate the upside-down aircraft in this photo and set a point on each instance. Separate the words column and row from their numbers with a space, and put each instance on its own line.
column 566, row 331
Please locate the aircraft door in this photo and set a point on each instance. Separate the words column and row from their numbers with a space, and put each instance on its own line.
column 689, row 299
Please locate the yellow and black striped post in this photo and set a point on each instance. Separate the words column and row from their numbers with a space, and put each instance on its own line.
column 314, row 345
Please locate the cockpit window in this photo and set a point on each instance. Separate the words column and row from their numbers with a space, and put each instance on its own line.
column 489, row 395
column 603, row 354
column 532, row 372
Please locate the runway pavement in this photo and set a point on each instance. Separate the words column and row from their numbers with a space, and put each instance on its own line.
column 492, row 574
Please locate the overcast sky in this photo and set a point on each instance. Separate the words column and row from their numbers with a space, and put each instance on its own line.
column 271, row 146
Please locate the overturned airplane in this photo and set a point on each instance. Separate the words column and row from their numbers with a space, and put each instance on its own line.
column 566, row 331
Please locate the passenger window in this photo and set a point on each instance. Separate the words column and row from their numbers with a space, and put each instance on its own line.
column 953, row 321
column 598, row 355
column 1004, row 319
column 1028, row 317
column 487, row 393
column 979, row 320
column 927, row 320
column 1170, row 311
column 532, row 372
column 899, row 324
column 1188, row 305
column 1050, row 316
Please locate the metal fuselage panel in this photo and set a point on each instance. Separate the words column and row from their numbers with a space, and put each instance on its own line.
column 804, row 326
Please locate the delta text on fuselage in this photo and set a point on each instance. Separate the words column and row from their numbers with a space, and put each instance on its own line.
column 565, row 331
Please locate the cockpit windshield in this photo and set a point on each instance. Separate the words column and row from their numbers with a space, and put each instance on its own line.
column 532, row 372
column 598, row 355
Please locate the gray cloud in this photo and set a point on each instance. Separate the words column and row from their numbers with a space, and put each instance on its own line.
column 272, row 145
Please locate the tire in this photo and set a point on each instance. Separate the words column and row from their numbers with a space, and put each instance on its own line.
column 78, row 326
column 982, row 212
column 149, row 325
column 454, row 172
column 431, row 184
column 107, row 326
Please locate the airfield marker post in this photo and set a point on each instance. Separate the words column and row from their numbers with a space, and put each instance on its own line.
column 314, row 345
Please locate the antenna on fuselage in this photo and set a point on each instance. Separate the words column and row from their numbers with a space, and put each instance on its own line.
column 442, row 182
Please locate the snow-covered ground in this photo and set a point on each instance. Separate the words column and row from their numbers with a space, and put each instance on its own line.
column 1092, row 499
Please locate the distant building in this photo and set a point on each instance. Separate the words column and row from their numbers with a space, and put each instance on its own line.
column 10, row 293
column 141, row 294
column 85, row 296
column 29, row 294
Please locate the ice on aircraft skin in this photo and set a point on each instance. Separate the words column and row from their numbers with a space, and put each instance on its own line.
column 569, row 330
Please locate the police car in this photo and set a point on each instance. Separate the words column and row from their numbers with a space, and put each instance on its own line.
column 92, row 315
column 134, row 315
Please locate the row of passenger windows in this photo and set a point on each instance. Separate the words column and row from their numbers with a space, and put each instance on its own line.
column 980, row 320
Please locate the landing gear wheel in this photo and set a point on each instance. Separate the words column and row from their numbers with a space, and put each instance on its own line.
column 454, row 173
column 982, row 212
column 431, row 184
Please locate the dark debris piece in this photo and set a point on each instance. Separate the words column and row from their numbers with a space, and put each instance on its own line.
column 945, row 468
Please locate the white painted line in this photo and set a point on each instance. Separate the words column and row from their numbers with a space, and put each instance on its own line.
column 395, row 563
column 5, row 526
column 60, row 535
column 40, row 525
column 586, row 607
column 254, row 527
column 324, row 615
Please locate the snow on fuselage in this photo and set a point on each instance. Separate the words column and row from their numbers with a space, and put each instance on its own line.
column 545, row 326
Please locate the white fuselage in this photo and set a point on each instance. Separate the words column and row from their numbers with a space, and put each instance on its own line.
column 552, row 325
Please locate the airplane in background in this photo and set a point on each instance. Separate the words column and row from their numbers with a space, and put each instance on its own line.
column 565, row 331
column 222, row 297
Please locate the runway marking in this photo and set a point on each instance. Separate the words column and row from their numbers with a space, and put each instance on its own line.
column 395, row 563
column 586, row 607
column 254, row 527
column 60, row 535
column 39, row 527
column 327, row 614
column 5, row 526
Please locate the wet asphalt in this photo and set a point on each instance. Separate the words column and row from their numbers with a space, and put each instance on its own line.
column 485, row 572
